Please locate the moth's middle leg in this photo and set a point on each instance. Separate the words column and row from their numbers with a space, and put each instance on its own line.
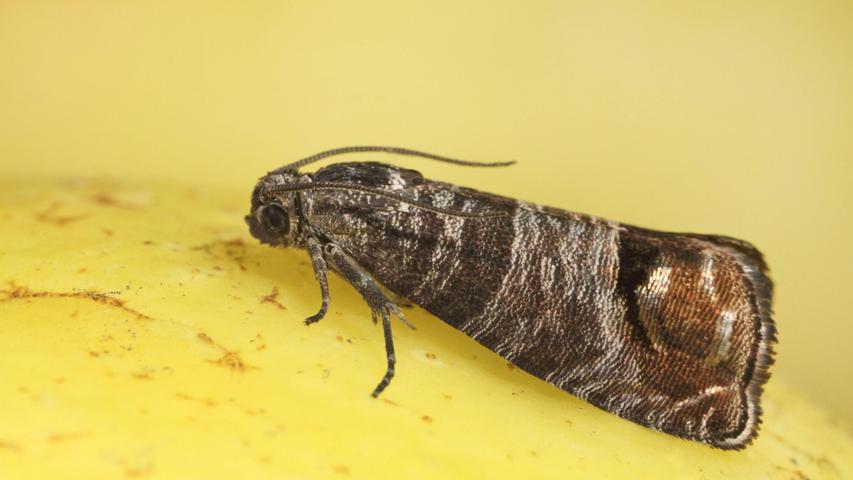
column 380, row 305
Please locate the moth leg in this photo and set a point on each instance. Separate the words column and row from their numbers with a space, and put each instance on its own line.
column 389, row 354
column 400, row 300
column 379, row 304
column 370, row 291
column 315, row 248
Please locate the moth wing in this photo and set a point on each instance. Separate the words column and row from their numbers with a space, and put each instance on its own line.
column 699, row 310
column 672, row 331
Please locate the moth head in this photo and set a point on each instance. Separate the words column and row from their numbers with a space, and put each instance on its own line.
column 274, row 218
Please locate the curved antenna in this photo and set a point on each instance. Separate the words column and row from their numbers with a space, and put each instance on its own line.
column 395, row 150
column 380, row 193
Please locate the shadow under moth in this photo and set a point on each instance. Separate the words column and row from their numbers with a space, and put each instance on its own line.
column 670, row 330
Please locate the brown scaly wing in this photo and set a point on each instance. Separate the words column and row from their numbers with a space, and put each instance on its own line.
column 699, row 307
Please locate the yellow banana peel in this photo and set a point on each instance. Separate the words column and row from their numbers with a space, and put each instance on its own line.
column 144, row 334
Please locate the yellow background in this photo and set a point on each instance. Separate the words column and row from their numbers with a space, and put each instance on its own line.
column 732, row 118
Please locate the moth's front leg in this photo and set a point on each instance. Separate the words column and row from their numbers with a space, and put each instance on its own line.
column 315, row 248
column 379, row 304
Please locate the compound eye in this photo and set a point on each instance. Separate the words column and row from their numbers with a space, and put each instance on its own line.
column 275, row 219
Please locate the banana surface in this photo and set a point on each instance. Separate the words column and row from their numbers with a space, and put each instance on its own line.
column 145, row 334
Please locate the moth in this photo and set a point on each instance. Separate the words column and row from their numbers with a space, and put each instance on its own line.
column 673, row 331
